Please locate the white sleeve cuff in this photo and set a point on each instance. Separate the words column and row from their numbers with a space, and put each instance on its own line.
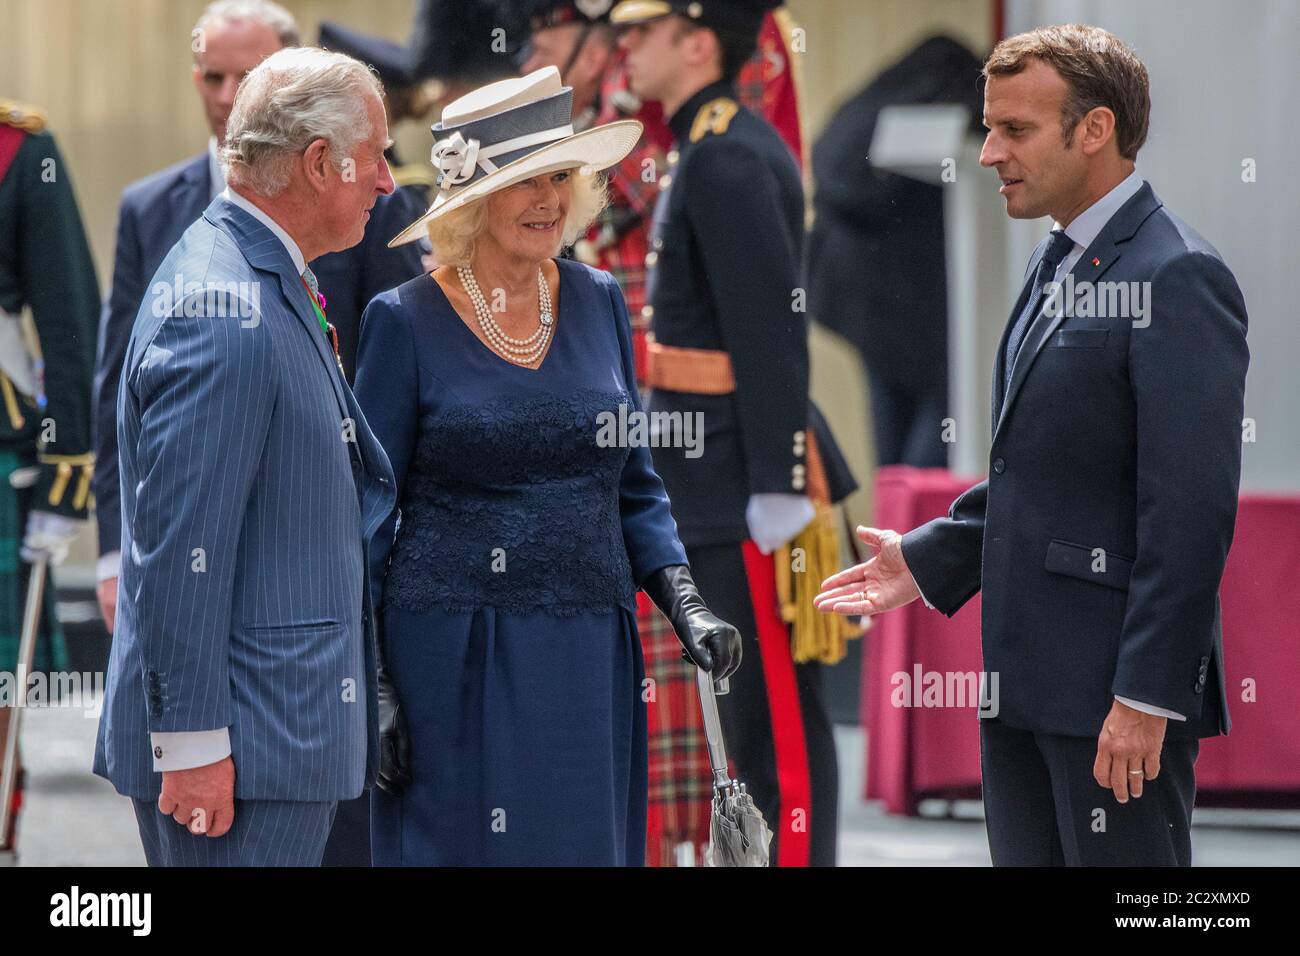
column 1150, row 708
column 108, row 566
column 183, row 750
column 924, row 599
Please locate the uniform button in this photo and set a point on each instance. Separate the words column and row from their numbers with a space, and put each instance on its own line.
column 999, row 465
column 659, row 242
column 797, row 484
column 651, row 258
column 800, row 436
column 798, row 449
column 647, row 311
column 665, row 181
column 673, row 157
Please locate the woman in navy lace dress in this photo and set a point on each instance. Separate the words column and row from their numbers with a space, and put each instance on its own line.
column 512, row 716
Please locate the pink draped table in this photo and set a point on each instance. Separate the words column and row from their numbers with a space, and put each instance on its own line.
column 915, row 752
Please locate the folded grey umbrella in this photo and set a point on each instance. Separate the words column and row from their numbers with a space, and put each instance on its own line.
column 738, row 834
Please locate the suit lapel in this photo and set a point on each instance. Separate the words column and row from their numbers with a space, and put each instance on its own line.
column 191, row 193
column 264, row 251
column 1096, row 260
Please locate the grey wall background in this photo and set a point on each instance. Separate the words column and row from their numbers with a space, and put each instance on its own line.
column 1225, row 85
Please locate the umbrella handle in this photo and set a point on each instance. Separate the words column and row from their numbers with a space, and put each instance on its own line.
column 26, row 652
column 713, row 728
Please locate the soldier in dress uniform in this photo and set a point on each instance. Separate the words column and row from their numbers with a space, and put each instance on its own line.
column 45, row 378
column 729, row 350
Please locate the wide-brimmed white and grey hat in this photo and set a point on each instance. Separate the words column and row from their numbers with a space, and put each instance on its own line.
column 509, row 131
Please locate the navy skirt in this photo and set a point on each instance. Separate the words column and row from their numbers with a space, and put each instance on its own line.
column 528, row 741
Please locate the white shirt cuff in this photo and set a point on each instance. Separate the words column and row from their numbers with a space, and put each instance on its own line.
column 108, row 566
column 1150, row 708
column 183, row 750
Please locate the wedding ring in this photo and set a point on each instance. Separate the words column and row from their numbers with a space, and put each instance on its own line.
column 1135, row 772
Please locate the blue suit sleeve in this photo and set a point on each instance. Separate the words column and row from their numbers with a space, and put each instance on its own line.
column 388, row 391
column 116, row 320
column 649, row 531
column 205, row 388
column 946, row 555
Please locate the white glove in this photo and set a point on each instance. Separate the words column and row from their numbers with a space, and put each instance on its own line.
column 48, row 535
column 774, row 519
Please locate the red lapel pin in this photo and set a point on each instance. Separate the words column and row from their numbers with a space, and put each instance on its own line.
column 1096, row 261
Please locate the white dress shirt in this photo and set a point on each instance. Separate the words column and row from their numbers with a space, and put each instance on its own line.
column 182, row 750
column 1083, row 230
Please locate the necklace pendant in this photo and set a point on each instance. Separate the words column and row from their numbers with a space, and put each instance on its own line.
column 546, row 318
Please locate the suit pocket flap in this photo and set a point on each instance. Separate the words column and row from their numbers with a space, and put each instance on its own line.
column 1079, row 338
column 1088, row 564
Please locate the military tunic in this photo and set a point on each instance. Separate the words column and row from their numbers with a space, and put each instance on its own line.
column 45, row 266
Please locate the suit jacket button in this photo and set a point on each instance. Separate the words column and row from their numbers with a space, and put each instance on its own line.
column 999, row 465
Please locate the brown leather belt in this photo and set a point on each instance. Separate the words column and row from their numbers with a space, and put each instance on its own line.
column 694, row 371
column 708, row 372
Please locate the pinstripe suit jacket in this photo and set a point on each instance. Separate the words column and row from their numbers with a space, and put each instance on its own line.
column 251, row 486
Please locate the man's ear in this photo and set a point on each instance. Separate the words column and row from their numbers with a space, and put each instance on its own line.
column 1096, row 129
column 316, row 164
column 701, row 46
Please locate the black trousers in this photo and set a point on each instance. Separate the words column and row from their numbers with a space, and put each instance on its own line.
column 1042, row 806
column 778, row 737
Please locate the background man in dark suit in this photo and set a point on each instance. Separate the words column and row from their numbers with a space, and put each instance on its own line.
column 1100, row 536
column 235, row 36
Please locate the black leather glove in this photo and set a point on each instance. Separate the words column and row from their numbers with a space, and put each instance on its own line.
column 394, row 742
column 712, row 644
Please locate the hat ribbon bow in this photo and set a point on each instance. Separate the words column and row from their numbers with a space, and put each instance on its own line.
column 456, row 157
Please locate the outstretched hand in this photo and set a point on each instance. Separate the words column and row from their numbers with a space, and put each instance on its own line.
column 875, row 586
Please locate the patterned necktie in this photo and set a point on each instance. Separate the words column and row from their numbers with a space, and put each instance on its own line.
column 1058, row 247
column 317, row 306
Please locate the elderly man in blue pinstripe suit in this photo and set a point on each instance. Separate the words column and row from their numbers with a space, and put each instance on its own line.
column 242, row 689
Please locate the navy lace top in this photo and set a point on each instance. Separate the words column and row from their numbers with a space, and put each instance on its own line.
column 510, row 493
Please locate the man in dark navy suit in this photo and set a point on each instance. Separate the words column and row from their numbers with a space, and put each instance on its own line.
column 233, row 36
column 1100, row 536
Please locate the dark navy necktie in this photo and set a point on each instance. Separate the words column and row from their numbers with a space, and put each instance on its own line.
column 1058, row 247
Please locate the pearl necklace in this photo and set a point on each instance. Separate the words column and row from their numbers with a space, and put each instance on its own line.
column 519, row 351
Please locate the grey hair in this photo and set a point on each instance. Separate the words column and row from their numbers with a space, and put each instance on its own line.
column 288, row 101
column 259, row 11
